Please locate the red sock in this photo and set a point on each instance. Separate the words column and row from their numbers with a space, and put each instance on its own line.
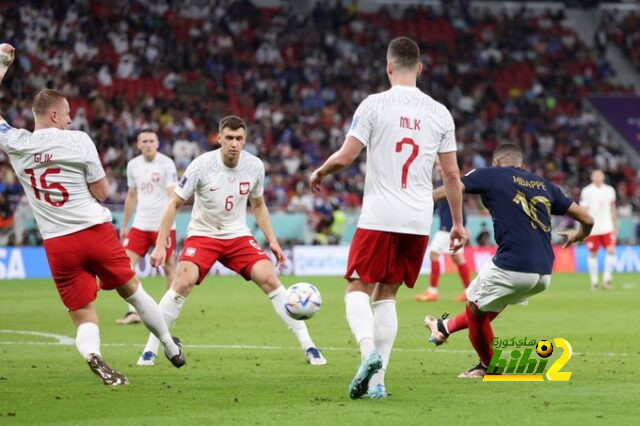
column 465, row 275
column 459, row 322
column 435, row 274
column 481, row 336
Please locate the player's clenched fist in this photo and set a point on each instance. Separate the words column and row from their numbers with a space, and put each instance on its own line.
column 158, row 256
column 315, row 180
column 7, row 55
column 458, row 238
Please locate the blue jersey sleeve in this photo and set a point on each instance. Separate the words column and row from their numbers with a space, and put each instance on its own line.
column 476, row 181
column 560, row 203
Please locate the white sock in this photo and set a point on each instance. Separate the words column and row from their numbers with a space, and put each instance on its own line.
column 444, row 323
column 360, row 319
column 130, row 308
column 592, row 265
column 385, row 329
column 170, row 306
column 88, row 339
column 151, row 316
column 278, row 300
column 432, row 290
column 609, row 263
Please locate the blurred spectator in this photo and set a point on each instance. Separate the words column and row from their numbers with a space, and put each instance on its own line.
column 484, row 236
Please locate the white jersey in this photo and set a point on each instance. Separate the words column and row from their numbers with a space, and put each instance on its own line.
column 152, row 179
column 221, row 194
column 403, row 130
column 55, row 168
column 598, row 201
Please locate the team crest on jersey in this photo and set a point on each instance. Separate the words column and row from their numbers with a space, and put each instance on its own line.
column 190, row 251
column 244, row 188
column 155, row 176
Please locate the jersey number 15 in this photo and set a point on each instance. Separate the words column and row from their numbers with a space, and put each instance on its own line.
column 48, row 186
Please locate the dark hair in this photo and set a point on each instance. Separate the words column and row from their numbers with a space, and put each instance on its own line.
column 45, row 99
column 145, row 130
column 232, row 122
column 403, row 52
column 509, row 150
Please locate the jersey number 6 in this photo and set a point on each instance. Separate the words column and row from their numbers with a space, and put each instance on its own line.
column 48, row 186
column 228, row 203
column 414, row 153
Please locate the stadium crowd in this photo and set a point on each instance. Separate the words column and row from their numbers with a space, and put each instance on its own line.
column 178, row 67
column 623, row 29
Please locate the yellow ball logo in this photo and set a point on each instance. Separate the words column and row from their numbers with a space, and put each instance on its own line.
column 544, row 348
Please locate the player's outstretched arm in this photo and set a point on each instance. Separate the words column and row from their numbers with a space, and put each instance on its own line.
column 100, row 189
column 439, row 193
column 7, row 55
column 130, row 204
column 263, row 219
column 159, row 254
column 340, row 159
column 453, row 190
column 586, row 224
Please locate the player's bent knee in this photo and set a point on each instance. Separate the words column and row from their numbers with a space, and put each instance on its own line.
column 127, row 289
column 357, row 285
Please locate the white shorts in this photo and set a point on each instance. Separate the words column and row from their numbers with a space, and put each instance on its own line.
column 494, row 288
column 440, row 243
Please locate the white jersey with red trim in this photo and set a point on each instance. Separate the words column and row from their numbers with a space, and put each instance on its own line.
column 152, row 179
column 598, row 201
column 221, row 194
column 55, row 168
column 403, row 130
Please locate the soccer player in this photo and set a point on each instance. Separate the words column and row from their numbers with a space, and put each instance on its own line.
column 223, row 181
column 151, row 178
column 404, row 130
column 600, row 201
column 521, row 205
column 439, row 246
column 63, row 179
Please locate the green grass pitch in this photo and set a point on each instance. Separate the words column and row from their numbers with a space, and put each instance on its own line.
column 244, row 367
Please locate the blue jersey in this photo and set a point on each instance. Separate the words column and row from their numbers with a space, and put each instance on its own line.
column 521, row 205
column 444, row 213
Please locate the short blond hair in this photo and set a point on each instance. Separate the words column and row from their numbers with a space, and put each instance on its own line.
column 45, row 99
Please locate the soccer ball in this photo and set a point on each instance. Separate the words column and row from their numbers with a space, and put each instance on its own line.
column 303, row 301
column 544, row 348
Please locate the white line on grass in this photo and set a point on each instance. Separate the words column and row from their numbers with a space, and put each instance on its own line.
column 62, row 340
column 67, row 341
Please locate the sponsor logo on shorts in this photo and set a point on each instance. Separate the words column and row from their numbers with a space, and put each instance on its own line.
column 244, row 188
column 190, row 251
column 520, row 364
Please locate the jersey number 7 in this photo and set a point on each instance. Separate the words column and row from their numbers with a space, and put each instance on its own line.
column 414, row 153
column 48, row 186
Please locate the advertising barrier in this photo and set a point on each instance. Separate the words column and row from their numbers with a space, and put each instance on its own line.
column 31, row 262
